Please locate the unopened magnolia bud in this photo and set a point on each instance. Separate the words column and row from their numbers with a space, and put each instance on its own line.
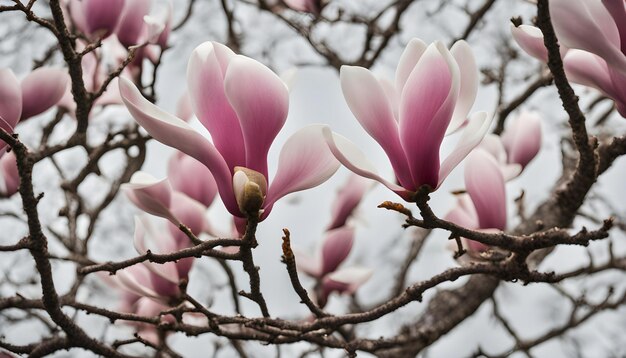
column 250, row 188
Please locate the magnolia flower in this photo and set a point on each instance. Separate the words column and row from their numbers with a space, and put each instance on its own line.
column 324, row 266
column 96, row 18
column 347, row 200
column 484, row 206
column 9, row 175
column 593, row 34
column 434, row 91
column 522, row 138
column 517, row 146
column 38, row 91
column 243, row 105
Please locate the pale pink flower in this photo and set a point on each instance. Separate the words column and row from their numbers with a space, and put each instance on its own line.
column 434, row 92
column 348, row 198
column 243, row 105
column 522, row 138
column 517, row 146
column 324, row 265
column 484, row 206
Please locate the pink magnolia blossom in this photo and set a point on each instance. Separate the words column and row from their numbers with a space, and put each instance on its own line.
column 522, row 138
column 9, row 176
column 434, row 92
column 347, row 200
column 484, row 205
column 324, row 266
column 594, row 34
column 243, row 105
column 38, row 91
column 96, row 18
column 519, row 144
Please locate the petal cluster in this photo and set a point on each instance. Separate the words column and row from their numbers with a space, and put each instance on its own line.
column 592, row 35
column 434, row 91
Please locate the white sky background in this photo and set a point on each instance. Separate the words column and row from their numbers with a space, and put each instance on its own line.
column 380, row 242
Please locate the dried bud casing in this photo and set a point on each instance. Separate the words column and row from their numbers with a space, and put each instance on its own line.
column 250, row 189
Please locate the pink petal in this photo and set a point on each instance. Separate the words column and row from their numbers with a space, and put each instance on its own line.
column 351, row 277
column 131, row 26
column 310, row 265
column 426, row 106
column 304, row 162
column 261, row 101
column 618, row 13
column 7, row 128
column 150, row 195
column 347, row 200
column 192, row 178
column 463, row 214
column 163, row 277
column 184, row 110
column 191, row 214
column 353, row 159
column 336, row 248
column 493, row 145
column 468, row 70
column 101, row 16
column 167, row 21
column 522, row 138
column 530, row 39
column 368, row 102
column 9, row 175
column 392, row 96
column 586, row 25
column 77, row 15
column 312, row 6
column 137, row 281
column 10, row 98
column 205, row 80
column 42, row 89
column 472, row 136
column 409, row 58
column 589, row 70
column 149, row 308
column 485, row 185
column 174, row 132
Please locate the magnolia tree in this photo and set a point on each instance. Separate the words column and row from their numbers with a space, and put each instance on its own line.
column 455, row 196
